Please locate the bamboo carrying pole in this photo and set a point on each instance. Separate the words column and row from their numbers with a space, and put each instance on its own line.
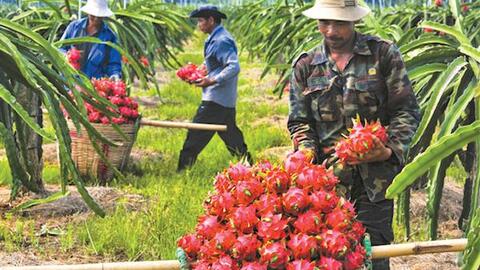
column 170, row 124
column 439, row 246
column 453, row 245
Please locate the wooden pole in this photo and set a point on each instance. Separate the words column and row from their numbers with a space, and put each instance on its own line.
column 439, row 246
column 454, row 245
column 170, row 124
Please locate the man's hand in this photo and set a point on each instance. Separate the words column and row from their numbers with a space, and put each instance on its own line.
column 379, row 152
column 204, row 82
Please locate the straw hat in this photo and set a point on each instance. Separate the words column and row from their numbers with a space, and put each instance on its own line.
column 340, row 10
column 98, row 8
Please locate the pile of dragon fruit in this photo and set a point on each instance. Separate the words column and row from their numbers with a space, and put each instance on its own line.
column 276, row 217
column 115, row 91
column 360, row 140
column 73, row 57
column 191, row 72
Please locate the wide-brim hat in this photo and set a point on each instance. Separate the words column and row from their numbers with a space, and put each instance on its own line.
column 97, row 8
column 339, row 10
column 206, row 11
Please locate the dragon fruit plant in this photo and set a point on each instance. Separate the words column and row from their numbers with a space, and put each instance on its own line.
column 360, row 140
column 191, row 72
column 276, row 217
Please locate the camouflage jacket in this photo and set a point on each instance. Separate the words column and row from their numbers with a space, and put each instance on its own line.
column 374, row 85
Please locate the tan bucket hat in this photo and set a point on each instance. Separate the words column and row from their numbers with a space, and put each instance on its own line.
column 340, row 10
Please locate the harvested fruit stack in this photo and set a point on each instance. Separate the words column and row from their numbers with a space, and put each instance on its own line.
column 266, row 217
column 73, row 57
column 360, row 140
column 191, row 72
column 115, row 91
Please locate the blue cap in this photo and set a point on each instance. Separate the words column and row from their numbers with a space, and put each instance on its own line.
column 206, row 11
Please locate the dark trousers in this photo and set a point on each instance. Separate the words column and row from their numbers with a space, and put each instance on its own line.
column 212, row 113
column 376, row 217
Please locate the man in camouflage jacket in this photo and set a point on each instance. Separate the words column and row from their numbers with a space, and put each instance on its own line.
column 352, row 75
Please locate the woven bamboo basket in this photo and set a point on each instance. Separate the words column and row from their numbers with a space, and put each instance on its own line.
column 89, row 162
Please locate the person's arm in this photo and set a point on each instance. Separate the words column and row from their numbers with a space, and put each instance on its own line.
column 227, row 55
column 402, row 106
column 114, row 65
column 300, row 121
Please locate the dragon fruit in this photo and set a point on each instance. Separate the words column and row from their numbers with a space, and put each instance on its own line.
column 245, row 247
column 272, row 227
column 208, row 226
column 303, row 246
column 301, row 265
column 248, row 191
column 354, row 260
column 295, row 162
column 309, row 222
column 277, row 181
column 191, row 244
column 360, row 140
column 268, row 217
column 295, row 200
column 275, row 255
column 254, row 266
column 326, row 263
column 220, row 204
column 192, row 72
column 334, row 243
column 224, row 240
column 268, row 204
column 244, row 219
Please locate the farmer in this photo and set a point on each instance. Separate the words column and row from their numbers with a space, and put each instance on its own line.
column 353, row 74
column 219, row 89
column 97, row 60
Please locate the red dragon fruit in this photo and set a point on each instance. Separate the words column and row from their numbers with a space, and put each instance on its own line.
column 277, row 181
column 360, row 140
column 327, row 263
column 224, row 240
column 272, row 227
column 245, row 247
column 303, row 246
column 295, row 200
column 334, row 243
column 225, row 263
column 239, row 172
column 73, row 57
column 192, row 72
column 222, row 183
column 268, row 204
column 354, row 260
column 244, row 219
column 201, row 265
column 220, row 204
column 309, row 222
column 275, row 255
column 191, row 244
column 296, row 161
column 301, row 265
column 208, row 226
column 254, row 266
column 337, row 220
column 248, row 191
column 323, row 201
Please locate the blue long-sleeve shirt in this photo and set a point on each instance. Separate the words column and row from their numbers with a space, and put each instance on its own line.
column 97, row 64
column 222, row 64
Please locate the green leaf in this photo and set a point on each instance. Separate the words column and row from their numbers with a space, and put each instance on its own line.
column 432, row 155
